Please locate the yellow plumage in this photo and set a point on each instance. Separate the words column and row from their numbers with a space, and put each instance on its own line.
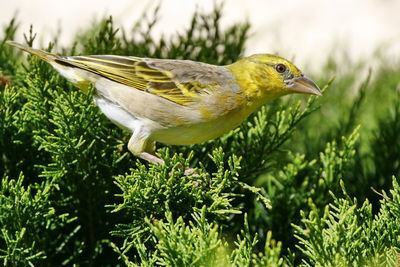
column 178, row 102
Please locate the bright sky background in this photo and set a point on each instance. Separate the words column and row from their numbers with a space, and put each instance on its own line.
column 306, row 30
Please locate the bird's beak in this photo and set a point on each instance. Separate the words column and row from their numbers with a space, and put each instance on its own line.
column 303, row 85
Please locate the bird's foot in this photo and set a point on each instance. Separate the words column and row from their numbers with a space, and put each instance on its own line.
column 151, row 158
column 188, row 171
column 156, row 160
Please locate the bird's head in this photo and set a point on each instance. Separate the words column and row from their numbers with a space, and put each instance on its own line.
column 269, row 76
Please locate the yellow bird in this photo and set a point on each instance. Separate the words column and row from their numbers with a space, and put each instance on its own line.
column 178, row 102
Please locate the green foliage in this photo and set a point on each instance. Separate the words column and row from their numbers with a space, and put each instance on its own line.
column 386, row 144
column 148, row 193
column 7, row 56
column 30, row 223
column 337, row 237
column 280, row 190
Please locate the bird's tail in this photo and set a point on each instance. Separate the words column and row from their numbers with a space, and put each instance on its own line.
column 67, row 68
column 46, row 56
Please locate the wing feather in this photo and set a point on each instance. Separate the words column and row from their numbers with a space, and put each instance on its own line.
column 138, row 73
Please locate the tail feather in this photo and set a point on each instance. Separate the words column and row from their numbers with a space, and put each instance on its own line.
column 46, row 56
column 76, row 73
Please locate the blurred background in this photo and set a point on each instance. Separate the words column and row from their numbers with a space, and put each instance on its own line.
column 307, row 31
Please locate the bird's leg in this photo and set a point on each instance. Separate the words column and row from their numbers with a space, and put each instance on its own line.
column 151, row 158
column 141, row 147
column 149, row 153
column 144, row 149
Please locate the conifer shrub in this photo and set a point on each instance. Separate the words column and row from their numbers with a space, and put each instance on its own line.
column 302, row 182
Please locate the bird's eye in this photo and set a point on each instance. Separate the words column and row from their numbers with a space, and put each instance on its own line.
column 280, row 68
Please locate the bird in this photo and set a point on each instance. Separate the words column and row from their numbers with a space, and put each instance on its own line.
column 177, row 102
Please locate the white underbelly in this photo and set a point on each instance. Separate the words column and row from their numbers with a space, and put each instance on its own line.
column 116, row 114
column 180, row 135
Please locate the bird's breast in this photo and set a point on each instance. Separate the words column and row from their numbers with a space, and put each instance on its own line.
column 199, row 132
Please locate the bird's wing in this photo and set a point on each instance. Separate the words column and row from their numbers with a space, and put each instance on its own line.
column 180, row 81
